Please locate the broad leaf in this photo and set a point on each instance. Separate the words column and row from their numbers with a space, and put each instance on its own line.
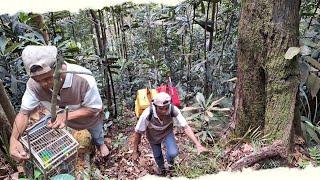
column 313, row 84
column 313, row 134
column 190, row 109
column 214, row 103
column 219, row 109
column 305, row 50
column 209, row 100
column 313, row 62
column 193, row 116
column 307, row 42
column 292, row 52
column 180, row 30
column 31, row 40
column 3, row 42
column 232, row 79
column 304, row 71
column 14, row 84
column 200, row 99
column 210, row 114
column 37, row 173
column 13, row 47
column 206, row 118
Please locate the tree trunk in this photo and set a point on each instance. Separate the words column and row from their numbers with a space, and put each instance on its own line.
column 103, row 32
column 267, row 83
column 213, row 12
column 97, row 28
column 206, row 64
column 53, row 26
column 6, row 104
column 72, row 28
column 123, row 37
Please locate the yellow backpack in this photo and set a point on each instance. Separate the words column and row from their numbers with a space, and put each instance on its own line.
column 144, row 97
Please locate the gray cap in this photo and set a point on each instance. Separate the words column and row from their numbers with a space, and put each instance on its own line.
column 43, row 56
column 162, row 99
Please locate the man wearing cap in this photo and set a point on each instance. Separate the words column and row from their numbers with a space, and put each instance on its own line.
column 78, row 91
column 157, row 123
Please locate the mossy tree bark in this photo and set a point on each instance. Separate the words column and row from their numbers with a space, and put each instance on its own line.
column 267, row 82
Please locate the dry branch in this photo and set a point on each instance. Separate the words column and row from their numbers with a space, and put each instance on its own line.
column 76, row 72
column 276, row 149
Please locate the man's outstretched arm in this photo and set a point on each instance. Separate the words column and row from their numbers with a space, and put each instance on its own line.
column 16, row 149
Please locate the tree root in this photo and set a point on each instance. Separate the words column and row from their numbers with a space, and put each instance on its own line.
column 275, row 149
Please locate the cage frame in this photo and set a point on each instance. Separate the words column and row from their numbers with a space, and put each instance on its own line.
column 56, row 160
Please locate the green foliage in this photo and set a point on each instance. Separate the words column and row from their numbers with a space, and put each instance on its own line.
column 37, row 175
column 270, row 164
column 257, row 138
column 309, row 130
column 309, row 67
column 121, row 139
column 197, row 165
column 315, row 154
column 254, row 136
column 208, row 112
column 205, row 108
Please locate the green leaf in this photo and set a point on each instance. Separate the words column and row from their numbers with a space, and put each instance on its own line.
column 219, row 109
column 31, row 40
column 209, row 100
column 190, row 109
column 209, row 113
column 203, row 9
column 204, row 136
column 193, row 116
column 292, row 52
column 313, row 135
column 106, row 115
column 14, row 84
column 37, row 173
column 13, row 47
column 313, row 62
column 304, row 71
column 304, row 130
column 180, row 30
column 200, row 99
column 313, row 83
column 308, row 42
column 206, row 118
column 3, row 43
column 39, row 36
column 214, row 103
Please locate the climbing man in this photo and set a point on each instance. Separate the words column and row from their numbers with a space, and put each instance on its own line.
column 157, row 122
column 77, row 91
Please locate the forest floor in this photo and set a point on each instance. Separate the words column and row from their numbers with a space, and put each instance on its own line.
column 119, row 165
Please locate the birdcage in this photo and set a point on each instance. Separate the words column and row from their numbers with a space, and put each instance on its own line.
column 53, row 151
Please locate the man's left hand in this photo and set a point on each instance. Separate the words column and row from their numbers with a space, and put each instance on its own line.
column 59, row 122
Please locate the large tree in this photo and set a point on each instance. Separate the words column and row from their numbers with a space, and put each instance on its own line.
column 267, row 82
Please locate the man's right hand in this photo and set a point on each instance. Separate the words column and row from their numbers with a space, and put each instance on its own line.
column 135, row 155
column 17, row 151
column 135, row 144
